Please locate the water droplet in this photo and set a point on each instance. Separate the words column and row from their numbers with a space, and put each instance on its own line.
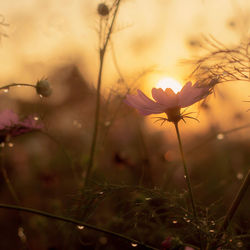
column 2, row 144
column 239, row 176
column 77, row 124
column 101, row 193
column 11, row 144
column 19, row 86
column 185, row 176
column 174, row 221
column 103, row 240
column 6, row 90
column 148, row 198
column 211, row 231
column 36, row 118
column 107, row 123
column 80, row 227
column 230, row 240
column 21, row 234
column 134, row 244
column 188, row 220
column 41, row 96
column 239, row 244
column 212, row 222
column 220, row 136
column 198, row 227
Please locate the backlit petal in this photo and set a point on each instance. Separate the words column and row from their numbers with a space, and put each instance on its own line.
column 143, row 104
column 191, row 94
column 167, row 98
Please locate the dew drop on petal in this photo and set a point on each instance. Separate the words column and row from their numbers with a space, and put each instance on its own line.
column 134, row 244
column 220, row 136
column 80, row 227
column 36, row 118
column 174, row 221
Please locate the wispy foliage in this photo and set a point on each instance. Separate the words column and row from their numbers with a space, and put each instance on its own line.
column 221, row 63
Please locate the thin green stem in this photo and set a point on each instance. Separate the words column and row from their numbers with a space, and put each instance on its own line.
column 17, row 84
column 187, row 178
column 98, row 98
column 231, row 211
column 235, row 204
column 76, row 222
column 7, row 180
column 9, row 185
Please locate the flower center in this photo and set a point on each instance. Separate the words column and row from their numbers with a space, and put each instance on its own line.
column 174, row 114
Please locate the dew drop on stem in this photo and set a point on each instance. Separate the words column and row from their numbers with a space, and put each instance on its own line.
column 134, row 244
column 220, row 136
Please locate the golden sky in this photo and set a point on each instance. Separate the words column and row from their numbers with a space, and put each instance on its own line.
column 44, row 34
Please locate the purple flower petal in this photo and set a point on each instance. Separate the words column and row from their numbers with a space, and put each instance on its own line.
column 143, row 104
column 8, row 118
column 167, row 98
column 191, row 94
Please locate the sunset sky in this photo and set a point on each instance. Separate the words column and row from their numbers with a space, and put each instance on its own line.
column 45, row 34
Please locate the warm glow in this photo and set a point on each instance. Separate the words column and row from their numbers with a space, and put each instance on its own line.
column 168, row 82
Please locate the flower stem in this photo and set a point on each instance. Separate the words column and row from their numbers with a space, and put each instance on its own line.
column 185, row 170
column 17, row 84
column 236, row 202
column 76, row 222
column 98, row 97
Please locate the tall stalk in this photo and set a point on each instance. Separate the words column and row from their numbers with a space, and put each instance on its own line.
column 98, row 95
column 187, row 178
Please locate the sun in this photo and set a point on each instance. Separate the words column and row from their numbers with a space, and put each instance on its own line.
column 168, row 82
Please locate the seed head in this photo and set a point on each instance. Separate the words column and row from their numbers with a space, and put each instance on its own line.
column 103, row 9
column 43, row 88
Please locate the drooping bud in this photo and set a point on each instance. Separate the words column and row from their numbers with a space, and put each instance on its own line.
column 103, row 9
column 43, row 88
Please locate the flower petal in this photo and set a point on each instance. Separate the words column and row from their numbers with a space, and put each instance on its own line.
column 8, row 118
column 143, row 104
column 191, row 94
column 167, row 98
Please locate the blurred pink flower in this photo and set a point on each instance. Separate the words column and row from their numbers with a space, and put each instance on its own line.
column 166, row 244
column 11, row 125
column 167, row 101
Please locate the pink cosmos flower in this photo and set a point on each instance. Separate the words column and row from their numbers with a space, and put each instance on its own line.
column 11, row 125
column 167, row 101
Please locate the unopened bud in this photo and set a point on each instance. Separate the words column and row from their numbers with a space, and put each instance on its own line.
column 43, row 88
column 103, row 9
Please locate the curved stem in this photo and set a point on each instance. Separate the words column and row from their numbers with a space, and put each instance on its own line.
column 17, row 84
column 187, row 178
column 98, row 97
column 236, row 202
column 76, row 222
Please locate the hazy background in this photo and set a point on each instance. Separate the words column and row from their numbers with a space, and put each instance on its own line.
column 44, row 35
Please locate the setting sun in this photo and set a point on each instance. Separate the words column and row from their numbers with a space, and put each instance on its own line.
column 168, row 82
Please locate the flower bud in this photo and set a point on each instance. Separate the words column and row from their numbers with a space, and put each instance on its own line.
column 103, row 9
column 43, row 88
